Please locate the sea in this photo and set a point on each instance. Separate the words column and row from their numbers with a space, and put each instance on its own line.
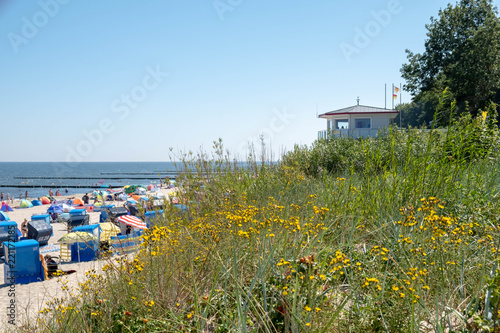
column 79, row 177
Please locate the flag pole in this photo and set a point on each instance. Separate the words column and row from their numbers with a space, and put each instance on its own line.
column 385, row 95
column 392, row 96
column 400, row 103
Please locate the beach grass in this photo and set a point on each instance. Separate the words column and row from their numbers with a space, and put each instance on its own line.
column 398, row 233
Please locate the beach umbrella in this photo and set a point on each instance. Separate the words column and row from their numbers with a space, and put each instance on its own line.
column 77, row 236
column 136, row 197
column 4, row 217
column 132, row 221
column 151, row 186
column 5, row 207
column 123, row 197
column 25, row 204
column 77, row 202
column 144, row 198
column 55, row 209
column 129, row 188
column 36, row 203
column 45, row 201
column 131, row 201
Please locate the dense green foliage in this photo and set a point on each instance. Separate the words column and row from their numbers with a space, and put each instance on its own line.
column 462, row 52
column 417, row 113
column 465, row 139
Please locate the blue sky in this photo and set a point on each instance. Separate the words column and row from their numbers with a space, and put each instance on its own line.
column 126, row 80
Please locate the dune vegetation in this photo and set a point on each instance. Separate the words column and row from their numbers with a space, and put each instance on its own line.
column 398, row 233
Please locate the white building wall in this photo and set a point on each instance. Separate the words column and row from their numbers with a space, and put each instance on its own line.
column 380, row 120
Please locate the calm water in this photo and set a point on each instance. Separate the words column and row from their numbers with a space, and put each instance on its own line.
column 57, row 176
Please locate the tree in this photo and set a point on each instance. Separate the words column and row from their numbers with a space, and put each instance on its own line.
column 462, row 52
column 417, row 114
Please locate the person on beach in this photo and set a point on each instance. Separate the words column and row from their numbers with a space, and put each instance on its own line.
column 51, row 193
column 58, row 193
column 51, row 264
column 54, row 217
column 24, row 228
column 20, row 196
column 26, row 195
column 85, row 199
column 66, row 190
column 1, row 196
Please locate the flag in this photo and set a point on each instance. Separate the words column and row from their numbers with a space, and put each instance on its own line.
column 396, row 90
column 394, row 96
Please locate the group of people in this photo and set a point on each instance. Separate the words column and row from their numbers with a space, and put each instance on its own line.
column 57, row 192
column 10, row 198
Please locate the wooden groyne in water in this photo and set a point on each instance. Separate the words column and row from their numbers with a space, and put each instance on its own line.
column 58, row 186
column 108, row 178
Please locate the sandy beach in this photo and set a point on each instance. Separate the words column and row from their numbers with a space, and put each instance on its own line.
column 31, row 298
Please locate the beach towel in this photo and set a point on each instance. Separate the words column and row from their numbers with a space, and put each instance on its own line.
column 50, row 248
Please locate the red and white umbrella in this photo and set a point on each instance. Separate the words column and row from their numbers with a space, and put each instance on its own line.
column 132, row 221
